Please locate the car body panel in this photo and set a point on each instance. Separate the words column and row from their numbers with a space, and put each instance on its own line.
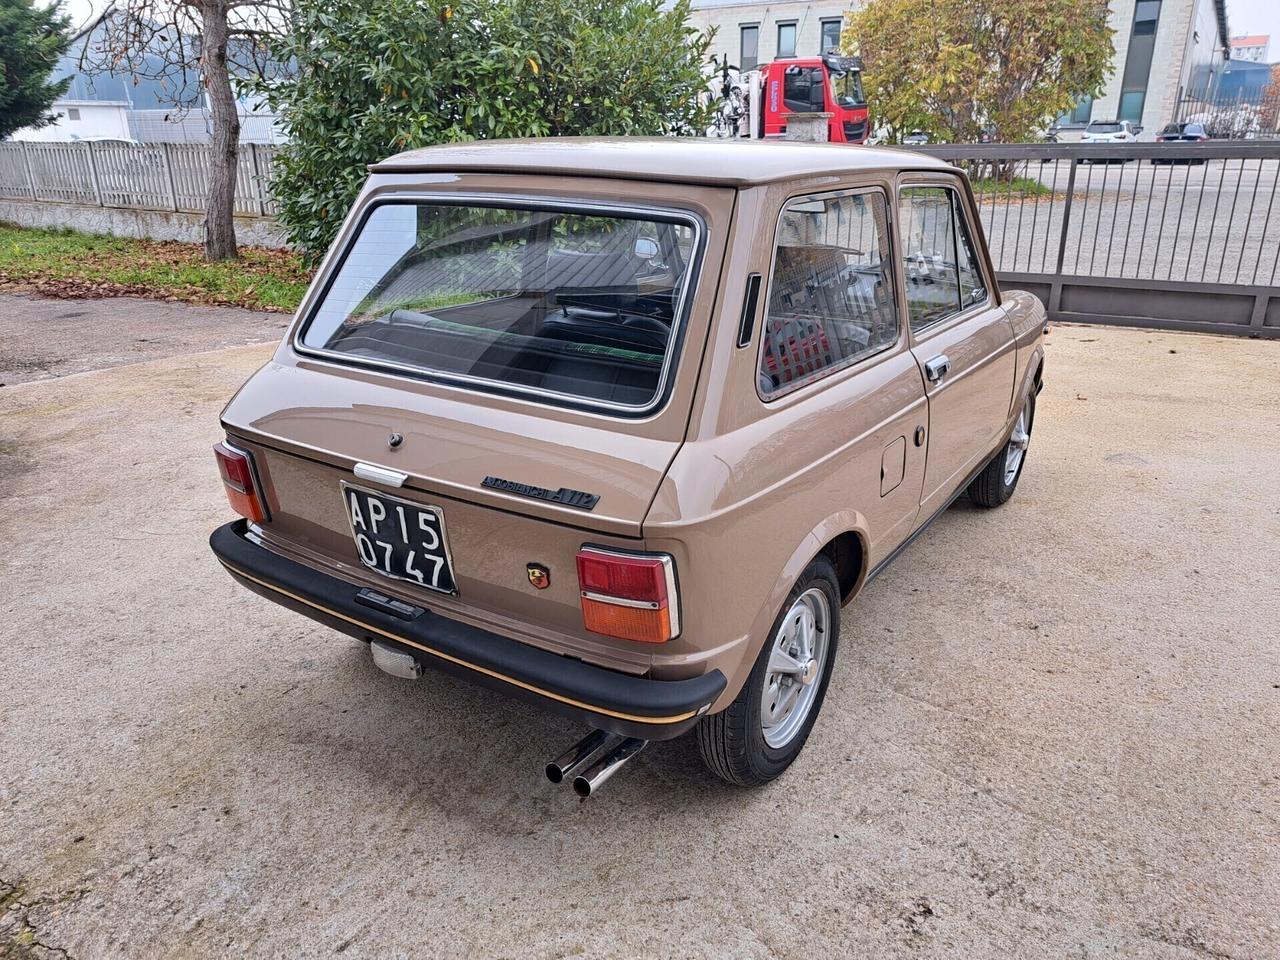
column 741, row 491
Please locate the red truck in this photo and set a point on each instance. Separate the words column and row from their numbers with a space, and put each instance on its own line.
column 827, row 84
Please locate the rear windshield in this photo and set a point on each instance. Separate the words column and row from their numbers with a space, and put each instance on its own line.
column 1104, row 128
column 562, row 303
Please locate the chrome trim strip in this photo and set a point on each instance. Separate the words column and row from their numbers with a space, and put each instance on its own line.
column 621, row 601
column 383, row 475
column 501, row 201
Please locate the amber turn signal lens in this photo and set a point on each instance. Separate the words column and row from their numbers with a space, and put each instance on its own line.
column 626, row 623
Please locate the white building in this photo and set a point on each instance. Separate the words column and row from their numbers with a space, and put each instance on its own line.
column 1252, row 48
column 1170, row 54
column 1170, row 57
column 750, row 34
column 100, row 104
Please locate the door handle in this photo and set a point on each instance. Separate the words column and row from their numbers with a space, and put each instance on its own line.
column 937, row 368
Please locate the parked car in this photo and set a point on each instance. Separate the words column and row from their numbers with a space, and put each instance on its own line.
column 1181, row 133
column 916, row 138
column 618, row 426
column 1110, row 132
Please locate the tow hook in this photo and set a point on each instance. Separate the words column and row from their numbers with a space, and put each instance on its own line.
column 609, row 753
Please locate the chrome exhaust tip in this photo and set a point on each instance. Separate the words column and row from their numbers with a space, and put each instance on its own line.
column 576, row 756
column 587, row 783
column 395, row 662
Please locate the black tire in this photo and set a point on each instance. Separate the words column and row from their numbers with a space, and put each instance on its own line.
column 990, row 488
column 732, row 742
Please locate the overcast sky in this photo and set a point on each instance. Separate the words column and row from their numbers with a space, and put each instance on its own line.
column 1256, row 16
column 1243, row 17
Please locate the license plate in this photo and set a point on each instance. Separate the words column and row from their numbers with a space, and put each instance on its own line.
column 399, row 539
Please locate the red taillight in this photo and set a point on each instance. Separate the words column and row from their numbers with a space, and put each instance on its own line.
column 629, row 596
column 237, row 480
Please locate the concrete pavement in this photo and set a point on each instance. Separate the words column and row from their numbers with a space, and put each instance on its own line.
column 1052, row 730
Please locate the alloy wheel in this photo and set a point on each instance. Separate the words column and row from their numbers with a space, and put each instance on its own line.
column 797, row 659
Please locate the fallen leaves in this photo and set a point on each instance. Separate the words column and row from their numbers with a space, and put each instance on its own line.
column 63, row 265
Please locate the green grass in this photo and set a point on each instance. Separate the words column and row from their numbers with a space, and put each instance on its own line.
column 1017, row 187
column 63, row 263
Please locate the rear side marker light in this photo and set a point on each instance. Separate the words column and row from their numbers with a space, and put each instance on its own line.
column 236, row 467
column 631, row 596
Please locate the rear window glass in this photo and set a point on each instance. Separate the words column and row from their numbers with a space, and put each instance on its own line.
column 564, row 303
column 1104, row 128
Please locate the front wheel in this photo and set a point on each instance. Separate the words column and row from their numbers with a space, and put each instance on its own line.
column 996, row 483
column 764, row 729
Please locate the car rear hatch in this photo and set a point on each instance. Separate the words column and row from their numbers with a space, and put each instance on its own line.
column 521, row 482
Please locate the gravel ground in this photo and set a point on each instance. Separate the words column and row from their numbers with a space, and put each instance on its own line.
column 1052, row 731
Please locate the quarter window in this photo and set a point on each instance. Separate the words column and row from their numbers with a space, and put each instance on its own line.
column 940, row 265
column 831, row 298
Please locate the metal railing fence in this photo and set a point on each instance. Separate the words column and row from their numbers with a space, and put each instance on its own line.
column 1184, row 236
column 163, row 176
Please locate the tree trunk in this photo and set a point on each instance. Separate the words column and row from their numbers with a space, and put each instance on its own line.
column 219, row 224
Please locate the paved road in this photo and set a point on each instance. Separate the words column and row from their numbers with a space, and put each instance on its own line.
column 51, row 338
column 1052, row 732
column 1218, row 222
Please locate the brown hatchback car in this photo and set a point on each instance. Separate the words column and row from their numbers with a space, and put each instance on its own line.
column 619, row 425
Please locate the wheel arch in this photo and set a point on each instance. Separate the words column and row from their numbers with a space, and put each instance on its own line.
column 842, row 538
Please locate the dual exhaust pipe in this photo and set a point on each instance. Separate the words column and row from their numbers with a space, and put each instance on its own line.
column 609, row 754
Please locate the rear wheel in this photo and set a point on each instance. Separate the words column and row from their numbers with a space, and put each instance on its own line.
column 764, row 729
column 996, row 483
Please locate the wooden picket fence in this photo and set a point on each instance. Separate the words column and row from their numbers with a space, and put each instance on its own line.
column 161, row 176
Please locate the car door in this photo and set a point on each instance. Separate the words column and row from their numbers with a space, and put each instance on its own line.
column 960, row 335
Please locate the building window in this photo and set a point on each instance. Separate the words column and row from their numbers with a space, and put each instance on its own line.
column 749, row 56
column 1080, row 114
column 73, row 113
column 830, row 35
column 787, row 39
column 1137, row 62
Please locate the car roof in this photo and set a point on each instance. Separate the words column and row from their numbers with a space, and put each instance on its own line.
column 706, row 160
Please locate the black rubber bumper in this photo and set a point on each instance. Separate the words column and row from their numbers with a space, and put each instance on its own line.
column 618, row 702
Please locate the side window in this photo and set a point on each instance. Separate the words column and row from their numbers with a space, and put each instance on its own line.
column 939, row 263
column 831, row 298
column 802, row 89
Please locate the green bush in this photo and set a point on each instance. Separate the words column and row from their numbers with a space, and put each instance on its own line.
column 375, row 78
